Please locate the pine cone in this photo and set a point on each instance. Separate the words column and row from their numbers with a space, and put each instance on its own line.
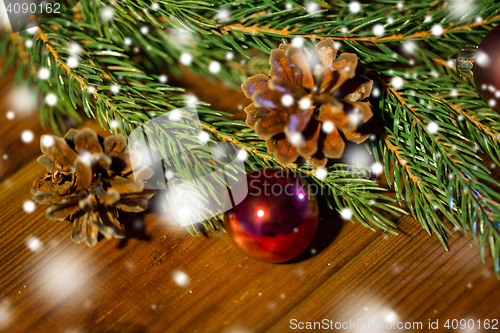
column 88, row 180
column 308, row 98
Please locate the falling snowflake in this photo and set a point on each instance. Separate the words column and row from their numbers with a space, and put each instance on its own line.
column 174, row 115
column 43, row 73
column 170, row 174
column 397, row 82
column 163, row 78
column 433, row 127
column 354, row 7
column 437, row 30
column 378, row 30
column 346, row 213
column 479, row 19
column 428, row 18
column 298, row 41
column 144, row 30
column 107, row 13
column 312, row 7
column 186, row 59
column 242, row 155
column 72, row 62
column 482, row 59
column 47, row 140
column 223, row 14
column 287, row 100
column 214, row 67
column 344, row 30
column 127, row 41
column 377, row 168
column 32, row 30
column 321, row 173
column 203, row 137
column 155, row 6
column 91, row 89
column 28, row 43
column 180, row 278
column 11, row 115
column 115, row 89
column 376, row 92
column 229, row 55
column 288, row 6
column 409, row 46
column 295, row 138
column 27, row 136
column 34, row 244
column 29, row 206
column 400, row 5
column 305, row 103
column 114, row 124
column 328, row 126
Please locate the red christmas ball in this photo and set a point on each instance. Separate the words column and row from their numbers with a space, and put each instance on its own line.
column 278, row 218
column 487, row 69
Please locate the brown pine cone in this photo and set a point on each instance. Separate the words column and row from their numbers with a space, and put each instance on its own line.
column 308, row 98
column 88, row 180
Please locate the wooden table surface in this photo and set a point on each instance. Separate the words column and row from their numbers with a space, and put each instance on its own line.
column 130, row 285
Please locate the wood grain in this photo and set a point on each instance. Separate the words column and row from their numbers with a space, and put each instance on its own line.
column 348, row 272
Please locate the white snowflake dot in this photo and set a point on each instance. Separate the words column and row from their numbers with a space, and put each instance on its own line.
column 346, row 213
column 180, row 277
column 297, row 41
column 428, row 18
column 376, row 92
column 203, row 137
column 72, row 62
column 11, row 115
column 47, row 140
column 328, row 126
column 107, row 13
column 174, row 115
column 479, row 19
column 287, row 100
column 305, row 103
column 27, row 136
column 295, row 138
column 229, row 55
column 354, row 7
column 115, row 89
column 34, row 244
column 482, row 59
column 144, row 30
column 377, row 168
column 186, row 59
column 242, row 155
column 312, row 7
column 43, row 73
column 223, row 14
column 114, row 124
column 127, row 41
column 32, row 31
column 437, row 30
column 433, row 127
column 91, row 89
column 29, row 206
column 29, row 43
column 321, row 173
column 453, row 93
column 400, row 5
column 163, row 78
column 155, row 6
column 214, row 67
column 344, row 30
column 397, row 82
column 378, row 30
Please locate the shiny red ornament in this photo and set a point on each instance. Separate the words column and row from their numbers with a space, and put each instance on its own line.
column 278, row 218
column 487, row 69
